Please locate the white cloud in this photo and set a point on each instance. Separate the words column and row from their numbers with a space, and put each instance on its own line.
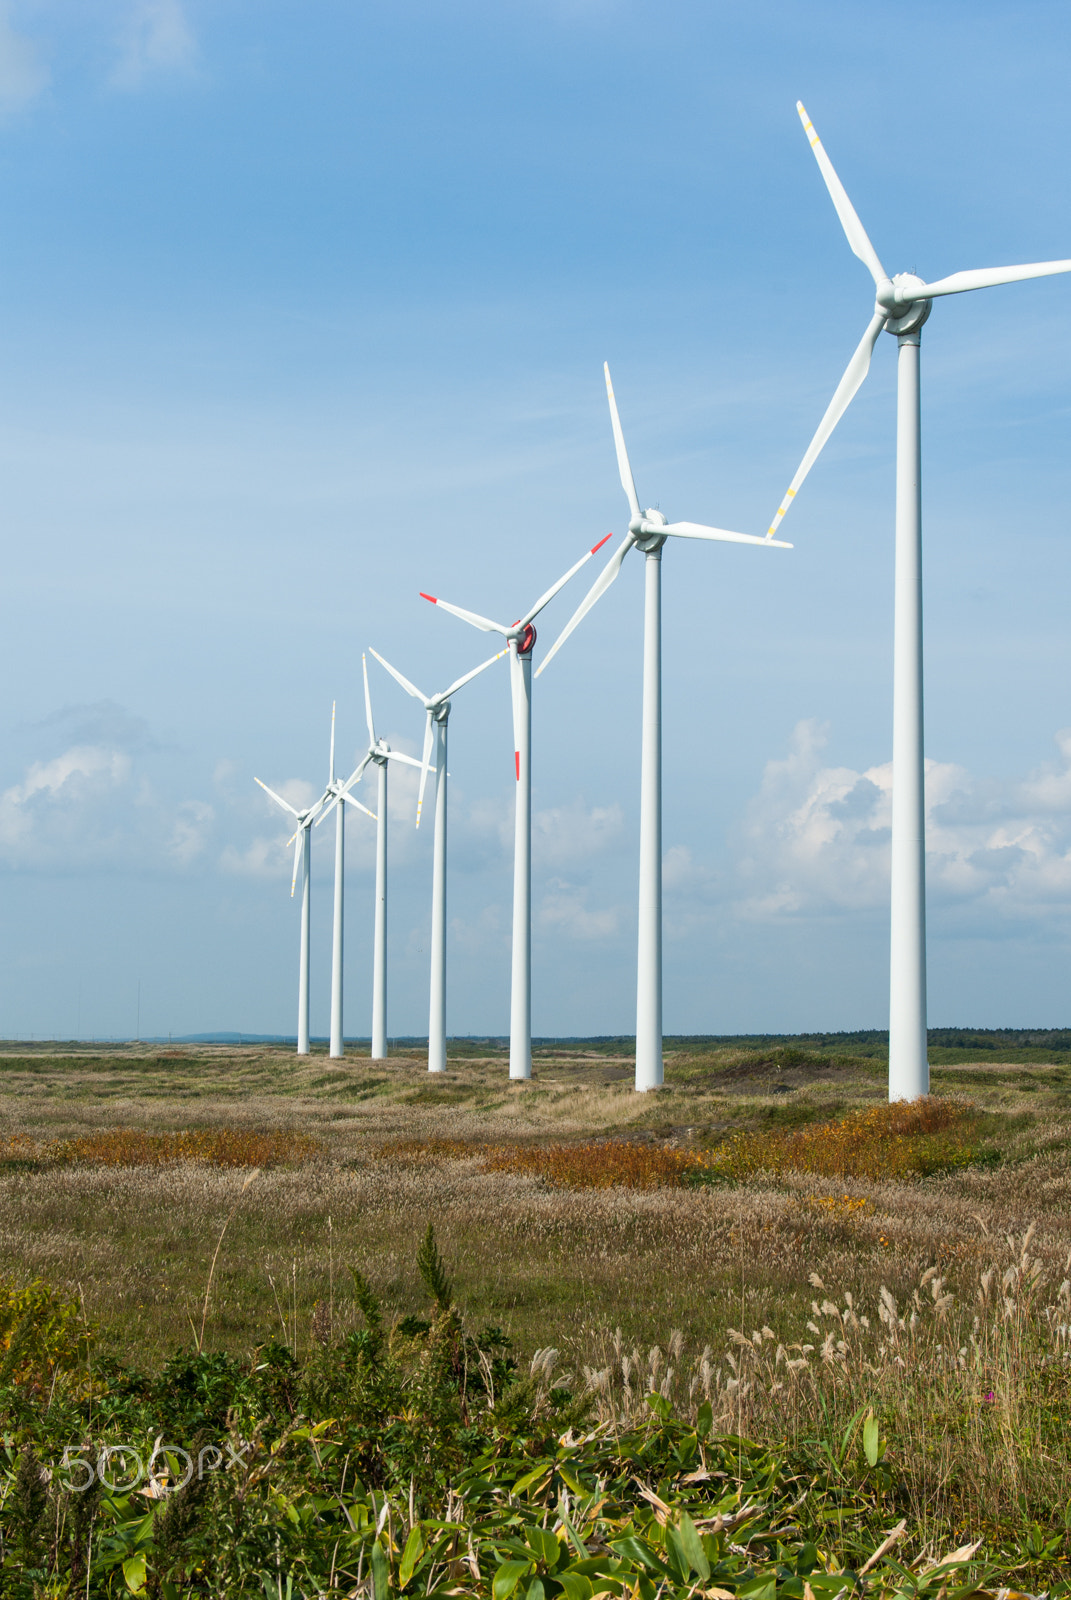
column 156, row 39
column 817, row 838
column 565, row 835
column 22, row 72
column 261, row 858
column 190, row 833
column 94, row 766
column 41, row 816
column 95, row 805
column 693, row 894
column 564, row 910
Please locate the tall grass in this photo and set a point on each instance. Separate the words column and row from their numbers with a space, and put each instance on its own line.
column 132, row 1147
column 970, row 1394
column 595, row 1164
column 886, row 1141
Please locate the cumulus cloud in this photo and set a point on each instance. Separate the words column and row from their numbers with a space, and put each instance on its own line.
column 817, row 838
column 156, row 40
column 93, row 804
column 61, row 801
column 565, row 910
column 23, row 74
column 565, row 835
column 98, row 722
column 190, row 832
column 262, row 857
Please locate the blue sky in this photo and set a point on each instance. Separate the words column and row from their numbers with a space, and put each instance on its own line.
column 303, row 310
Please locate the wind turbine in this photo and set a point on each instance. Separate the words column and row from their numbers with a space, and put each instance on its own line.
column 335, row 792
column 302, row 842
column 902, row 305
column 521, row 638
column 437, row 707
column 648, row 531
column 378, row 754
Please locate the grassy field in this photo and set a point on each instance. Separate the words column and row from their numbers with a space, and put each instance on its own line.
column 757, row 1235
column 389, row 1150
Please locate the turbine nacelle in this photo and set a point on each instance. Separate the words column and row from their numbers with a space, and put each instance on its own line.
column 646, row 530
column 904, row 301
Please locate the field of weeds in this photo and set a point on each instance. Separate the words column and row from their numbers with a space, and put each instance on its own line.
column 764, row 1237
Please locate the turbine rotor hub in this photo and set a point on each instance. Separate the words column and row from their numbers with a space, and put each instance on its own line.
column 903, row 316
column 526, row 642
column 648, row 538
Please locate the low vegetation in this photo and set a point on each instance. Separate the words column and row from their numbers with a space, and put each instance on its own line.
column 134, row 1147
column 879, row 1142
column 762, row 1272
column 420, row 1458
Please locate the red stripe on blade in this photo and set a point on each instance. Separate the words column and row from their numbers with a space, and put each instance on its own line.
column 517, row 761
column 430, row 597
column 600, row 543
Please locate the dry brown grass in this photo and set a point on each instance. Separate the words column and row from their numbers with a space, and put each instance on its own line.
column 416, row 1151
column 970, row 1386
column 134, row 1147
column 883, row 1141
column 549, row 1263
column 594, row 1164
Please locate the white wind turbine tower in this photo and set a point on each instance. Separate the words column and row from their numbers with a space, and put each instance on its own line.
column 902, row 305
column 521, row 638
column 437, row 707
column 648, row 531
column 302, row 842
column 378, row 754
column 335, row 792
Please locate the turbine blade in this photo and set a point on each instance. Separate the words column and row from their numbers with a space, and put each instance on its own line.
column 309, row 817
column 356, row 773
column 624, row 470
column 696, row 530
column 849, row 221
column 988, row 278
column 399, row 755
column 545, row 599
column 429, row 735
column 516, row 686
column 332, row 760
column 327, row 810
column 353, row 800
column 597, row 590
column 367, row 701
column 845, row 392
column 396, row 675
column 454, row 687
column 279, row 801
column 483, row 623
column 298, row 841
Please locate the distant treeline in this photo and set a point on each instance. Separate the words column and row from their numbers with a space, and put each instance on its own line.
column 862, row 1042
